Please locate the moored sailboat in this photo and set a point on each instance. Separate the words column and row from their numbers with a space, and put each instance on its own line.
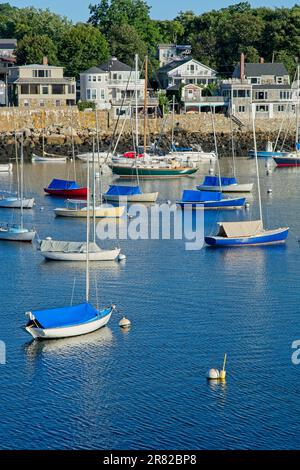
column 194, row 199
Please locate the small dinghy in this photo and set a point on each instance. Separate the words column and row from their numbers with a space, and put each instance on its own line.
column 65, row 188
column 75, row 251
column 118, row 193
column 66, row 322
column 78, row 208
column 6, row 167
column 209, row 200
column 224, row 184
column 16, row 203
column 233, row 234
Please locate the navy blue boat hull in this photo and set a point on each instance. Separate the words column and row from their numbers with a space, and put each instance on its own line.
column 223, row 204
column 270, row 237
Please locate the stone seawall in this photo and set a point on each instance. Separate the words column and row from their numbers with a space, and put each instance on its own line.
column 58, row 125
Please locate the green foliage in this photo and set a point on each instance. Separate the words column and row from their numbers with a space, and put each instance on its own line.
column 81, row 48
column 82, row 105
column 164, row 103
column 31, row 50
column 125, row 42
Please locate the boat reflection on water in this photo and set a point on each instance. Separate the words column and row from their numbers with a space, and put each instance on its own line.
column 101, row 338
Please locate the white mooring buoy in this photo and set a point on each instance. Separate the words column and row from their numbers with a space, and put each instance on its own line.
column 121, row 257
column 124, row 323
column 211, row 171
column 247, row 205
column 215, row 374
column 270, row 191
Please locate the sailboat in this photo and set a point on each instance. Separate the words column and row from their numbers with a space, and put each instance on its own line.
column 194, row 199
column 292, row 158
column 13, row 202
column 46, row 157
column 17, row 232
column 74, row 320
column 224, row 184
column 6, row 167
column 76, row 251
column 245, row 233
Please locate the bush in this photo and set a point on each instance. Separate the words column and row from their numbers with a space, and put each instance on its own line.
column 82, row 105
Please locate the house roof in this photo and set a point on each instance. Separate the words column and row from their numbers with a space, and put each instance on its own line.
column 42, row 81
column 271, row 86
column 257, row 70
column 177, row 63
column 8, row 44
column 94, row 70
column 114, row 65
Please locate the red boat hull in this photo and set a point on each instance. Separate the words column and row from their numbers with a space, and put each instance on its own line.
column 80, row 193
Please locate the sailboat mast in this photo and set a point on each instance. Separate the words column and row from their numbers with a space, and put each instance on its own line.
column 256, row 164
column 297, row 106
column 73, row 144
column 94, row 193
column 98, row 152
column 233, row 148
column 136, row 104
column 173, row 122
column 87, row 275
column 216, row 147
column 22, row 178
column 146, row 105
column 43, row 135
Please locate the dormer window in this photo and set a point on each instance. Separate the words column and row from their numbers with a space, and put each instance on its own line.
column 41, row 73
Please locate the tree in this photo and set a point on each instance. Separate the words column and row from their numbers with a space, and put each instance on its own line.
column 32, row 49
column 125, row 42
column 82, row 47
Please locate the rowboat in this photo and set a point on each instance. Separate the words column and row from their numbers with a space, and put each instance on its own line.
column 48, row 157
column 78, row 208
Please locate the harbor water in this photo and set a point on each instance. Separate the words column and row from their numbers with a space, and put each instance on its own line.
column 146, row 388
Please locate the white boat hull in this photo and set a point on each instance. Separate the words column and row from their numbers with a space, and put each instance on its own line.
column 16, row 203
column 67, row 332
column 88, row 157
column 26, row 236
column 100, row 212
column 6, row 167
column 145, row 197
column 48, row 158
column 192, row 157
column 105, row 255
column 232, row 188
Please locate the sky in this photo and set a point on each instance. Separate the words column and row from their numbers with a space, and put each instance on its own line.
column 78, row 10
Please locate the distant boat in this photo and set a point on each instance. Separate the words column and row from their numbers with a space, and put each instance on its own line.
column 65, row 188
column 74, row 320
column 48, row 157
column 245, row 233
column 6, row 167
column 78, row 208
column 152, row 170
column 267, row 153
column 75, row 251
column 228, row 185
column 290, row 159
column 128, row 193
column 12, row 202
column 209, row 200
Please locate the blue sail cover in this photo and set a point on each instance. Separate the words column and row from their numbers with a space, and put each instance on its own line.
column 67, row 316
column 63, row 184
column 115, row 190
column 199, row 196
column 181, row 149
column 215, row 181
column 298, row 146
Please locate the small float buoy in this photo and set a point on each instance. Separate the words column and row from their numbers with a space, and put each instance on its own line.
column 247, row 205
column 121, row 257
column 124, row 323
column 215, row 374
column 211, row 171
column 130, row 216
column 169, row 202
column 270, row 191
column 41, row 208
column 49, row 239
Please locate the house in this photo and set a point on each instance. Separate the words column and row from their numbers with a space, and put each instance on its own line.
column 264, row 87
column 183, row 72
column 7, row 60
column 169, row 52
column 113, row 85
column 40, row 85
column 194, row 102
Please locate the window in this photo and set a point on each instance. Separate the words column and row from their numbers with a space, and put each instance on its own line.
column 261, row 108
column 57, row 103
column 58, row 89
column 285, row 95
column 71, row 89
column 241, row 109
column 102, row 94
column 99, row 78
column 26, row 103
column 34, row 90
column 45, row 90
column 42, row 103
column 90, row 78
column 24, row 89
column 41, row 73
column 261, row 95
column 255, row 80
column 91, row 94
column 279, row 79
column 280, row 108
column 94, row 78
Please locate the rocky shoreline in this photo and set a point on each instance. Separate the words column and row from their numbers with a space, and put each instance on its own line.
column 59, row 141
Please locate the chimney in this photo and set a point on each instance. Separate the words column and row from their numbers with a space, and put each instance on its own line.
column 242, row 66
column 45, row 60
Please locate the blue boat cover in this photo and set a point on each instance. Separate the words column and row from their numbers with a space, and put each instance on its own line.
column 67, row 316
column 215, row 181
column 200, row 196
column 181, row 149
column 63, row 184
column 115, row 190
column 298, row 146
